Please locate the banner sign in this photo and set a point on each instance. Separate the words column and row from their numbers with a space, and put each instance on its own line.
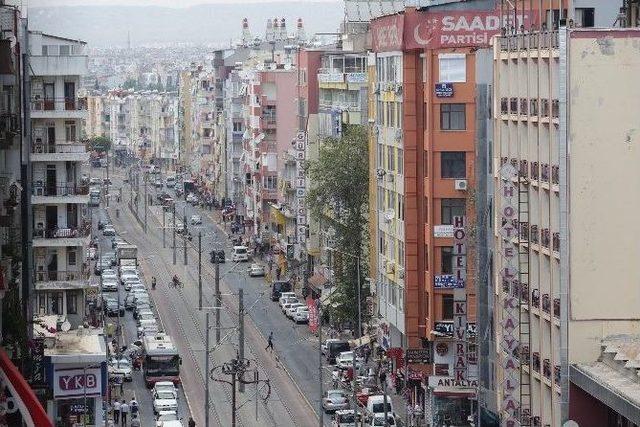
column 447, row 281
column 438, row 381
column 77, row 382
column 444, row 90
column 420, row 355
column 300, row 146
column 460, row 298
column 446, row 328
column 387, row 33
column 314, row 319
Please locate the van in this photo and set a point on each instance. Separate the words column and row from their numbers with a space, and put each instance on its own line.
column 335, row 348
column 375, row 404
column 278, row 288
column 239, row 253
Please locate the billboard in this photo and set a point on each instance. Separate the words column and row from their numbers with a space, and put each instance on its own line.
column 77, row 382
column 387, row 33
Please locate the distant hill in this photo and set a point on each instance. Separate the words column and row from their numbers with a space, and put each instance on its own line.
column 209, row 23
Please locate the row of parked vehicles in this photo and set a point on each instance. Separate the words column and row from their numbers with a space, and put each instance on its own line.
column 293, row 308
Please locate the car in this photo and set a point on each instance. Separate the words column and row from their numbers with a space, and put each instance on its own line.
column 100, row 224
column 377, row 420
column 129, row 276
column 128, row 302
column 120, row 368
column 137, row 308
column 195, row 220
column 94, row 181
column 170, row 181
column 324, row 347
column 301, row 315
column 278, row 287
column 150, row 329
column 164, row 401
column 164, row 417
column 145, row 312
column 344, row 360
column 376, row 404
column 344, row 418
column 108, row 230
column 292, row 309
column 335, row 348
column 288, row 304
column 158, row 183
column 192, row 198
column 109, row 285
column 256, row 270
column 239, row 254
column 165, row 386
column 287, row 297
column 217, row 256
column 112, row 308
column 129, row 283
column 334, row 400
column 117, row 240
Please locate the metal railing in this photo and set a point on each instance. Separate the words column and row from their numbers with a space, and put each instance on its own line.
column 57, row 275
column 60, row 190
column 59, row 147
column 49, row 104
column 62, row 232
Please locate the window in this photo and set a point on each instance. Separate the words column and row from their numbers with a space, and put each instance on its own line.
column 453, row 68
column 453, row 164
column 446, row 263
column 380, row 159
column 72, row 303
column 585, row 17
column 70, row 130
column 452, row 117
column 55, row 303
column 391, row 161
column 450, row 208
column 237, row 126
column 400, row 298
column 271, row 182
column 65, row 50
column 400, row 210
column 400, row 161
column 447, row 307
column 71, row 257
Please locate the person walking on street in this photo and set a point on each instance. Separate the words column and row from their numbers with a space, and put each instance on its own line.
column 192, row 423
column 135, row 421
column 116, row 412
column 270, row 342
column 124, row 411
column 133, row 407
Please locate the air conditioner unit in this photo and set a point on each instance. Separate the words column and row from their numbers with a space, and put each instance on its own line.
column 39, row 191
column 380, row 173
column 461, row 184
column 401, row 273
column 390, row 268
column 398, row 134
column 398, row 88
column 391, row 177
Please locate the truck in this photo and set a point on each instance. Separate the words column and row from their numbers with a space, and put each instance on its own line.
column 189, row 186
column 126, row 255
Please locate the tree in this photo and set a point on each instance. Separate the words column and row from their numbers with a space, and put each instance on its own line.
column 99, row 143
column 130, row 84
column 339, row 197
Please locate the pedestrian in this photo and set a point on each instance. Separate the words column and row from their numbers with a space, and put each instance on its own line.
column 367, row 353
column 270, row 342
column 192, row 423
column 133, row 407
column 278, row 273
column 135, row 421
column 116, row 411
column 124, row 411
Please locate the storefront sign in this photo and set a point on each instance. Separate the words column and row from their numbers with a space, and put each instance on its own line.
column 420, row 355
column 300, row 145
column 313, row 314
column 446, row 328
column 445, row 230
column 446, row 281
column 77, row 382
column 435, row 30
column 437, row 381
column 508, row 252
column 444, row 90
column 460, row 298
column 387, row 33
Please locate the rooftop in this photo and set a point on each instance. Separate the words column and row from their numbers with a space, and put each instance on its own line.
column 82, row 345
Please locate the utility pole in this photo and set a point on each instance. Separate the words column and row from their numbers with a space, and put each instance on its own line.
column 320, row 408
column 241, row 331
column 200, row 275
column 359, row 334
column 107, row 178
column 206, row 370
column 145, row 203
column 164, row 230
column 184, row 234
column 174, row 233
column 217, row 296
column 353, row 386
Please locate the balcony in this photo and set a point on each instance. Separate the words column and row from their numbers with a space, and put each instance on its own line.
column 524, row 169
column 524, row 231
column 555, row 174
column 535, row 298
column 58, row 108
column 556, row 308
column 59, row 280
column 546, row 303
column 545, row 238
column 9, row 128
column 544, row 172
column 546, row 368
column 57, row 237
column 268, row 194
column 535, row 171
column 556, row 374
column 71, row 65
column 556, row 242
column 59, row 194
column 523, row 354
column 61, row 151
column 535, row 361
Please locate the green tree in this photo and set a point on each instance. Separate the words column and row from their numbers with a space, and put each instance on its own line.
column 130, row 84
column 339, row 198
column 99, row 143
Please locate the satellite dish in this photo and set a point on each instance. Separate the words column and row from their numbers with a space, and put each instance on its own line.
column 66, row 326
column 570, row 423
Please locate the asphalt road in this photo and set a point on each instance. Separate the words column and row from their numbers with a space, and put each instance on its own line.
column 179, row 314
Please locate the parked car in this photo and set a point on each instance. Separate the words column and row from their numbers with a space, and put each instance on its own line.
column 287, row 300
column 284, row 295
column 324, row 347
column 217, row 256
column 335, row 348
column 108, row 230
column 301, row 315
column 278, row 288
column 101, row 224
column 288, row 304
column 344, row 418
column 165, row 386
column 195, row 220
column 375, row 404
column 256, row 270
column 164, row 401
column 109, row 285
column 112, row 308
column 120, row 368
column 239, row 254
column 158, row 183
column 165, row 418
column 344, row 360
column 334, row 400
column 377, row 420
column 292, row 309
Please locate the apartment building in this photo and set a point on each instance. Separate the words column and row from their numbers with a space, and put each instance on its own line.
column 553, row 189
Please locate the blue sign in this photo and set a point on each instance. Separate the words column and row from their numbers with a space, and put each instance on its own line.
column 447, row 281
column 444, row 90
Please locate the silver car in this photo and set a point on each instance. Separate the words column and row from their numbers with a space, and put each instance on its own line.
column 335, row 400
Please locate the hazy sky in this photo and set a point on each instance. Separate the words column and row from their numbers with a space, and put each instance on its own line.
column 166, row 3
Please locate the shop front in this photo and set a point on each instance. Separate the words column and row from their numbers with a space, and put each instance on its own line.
column 77, row 395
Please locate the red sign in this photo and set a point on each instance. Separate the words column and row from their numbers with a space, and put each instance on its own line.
column 387, row 33
column 434, row 30
column 313, row 315
column 77, row 382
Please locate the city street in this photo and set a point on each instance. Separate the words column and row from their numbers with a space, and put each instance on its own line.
column 178, row 312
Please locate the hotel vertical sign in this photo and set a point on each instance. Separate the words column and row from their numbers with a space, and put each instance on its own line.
column 301, row 187
column 509, row 325
column 460, row 298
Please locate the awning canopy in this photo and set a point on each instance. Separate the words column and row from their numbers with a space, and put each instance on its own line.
column 33, row 414
column 364, row 340
column 454, row 392
column 317, row 280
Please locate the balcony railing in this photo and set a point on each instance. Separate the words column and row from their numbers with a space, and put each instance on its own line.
column 52, row 276
column 523, row 354
column 555, row 174
column 545, row 237
column 59, row 147
column 546, row 368
column 544, row 172
column 533, row 237
column 49, row 104
column 524, row 169
column 504, row 105
column 535, row 361
column 524, row 231
column 535, row 298
column 556, row 374
column 556, row 242
column 535, row 171
column 556, row 308
column 60, row 190
column 62, row 233
column 546, row 303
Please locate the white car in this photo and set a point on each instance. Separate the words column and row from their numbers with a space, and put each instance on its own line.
column 301, row 315
column 120, row 368
column 287, row 300
column 108, row 230
column 195, row 220
column 164, row 400
column 191, row 198
column 378, row 420
column 345, row 360
column 165, row 418
column 130, row 283
column 128, row 276
column 292, row 309
column 239, row 253
column 288, row 304
column 256, row 270
column 165, row 386
column 284, row 295
column 109, row 285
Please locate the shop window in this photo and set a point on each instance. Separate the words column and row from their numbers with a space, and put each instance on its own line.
column 446, row 263
column 453, row 164
column 447, row 307
column 72, row 303
column 453, row 117
column 450, row 208
column 585, row 17
column 452, row 68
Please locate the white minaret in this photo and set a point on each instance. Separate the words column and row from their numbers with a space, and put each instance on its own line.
column 269, row 34
column 300, row 34
column 246, row 34
column 276, row 29
column 283, row 29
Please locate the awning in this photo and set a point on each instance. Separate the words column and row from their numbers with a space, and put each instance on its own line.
column 33, row 414
column 364, row 340
column 317, row 280
column 454, row 392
